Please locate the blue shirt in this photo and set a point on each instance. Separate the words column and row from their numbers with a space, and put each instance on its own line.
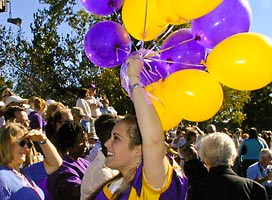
column 253, row 148
column 13, row 186
column 93, row 152
column 256, row 170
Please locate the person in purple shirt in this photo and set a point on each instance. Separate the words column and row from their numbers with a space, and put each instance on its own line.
column 21, row 183
column 35, row 117
column 72, row 142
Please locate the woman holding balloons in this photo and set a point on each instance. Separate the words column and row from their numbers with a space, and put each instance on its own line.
column 137, row 150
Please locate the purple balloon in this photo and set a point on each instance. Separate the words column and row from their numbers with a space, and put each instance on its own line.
column 107, row 44
column 102, row 7
column 229, row 18
column 152, row 71
column 181, row 51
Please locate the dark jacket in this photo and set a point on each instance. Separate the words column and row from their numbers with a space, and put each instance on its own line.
column 222, row 183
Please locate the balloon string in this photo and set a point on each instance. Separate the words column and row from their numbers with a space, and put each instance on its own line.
column 174, row 62
column 156, row 99
column 147, row 76
column 162, row 50
column 145, row 22
column 120, row 50
column 160, row 39
column 147, row 73
column 118, row 17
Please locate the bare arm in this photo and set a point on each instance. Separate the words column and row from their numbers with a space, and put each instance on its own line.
column 155, row 161
column 52, row 160
column 199, row 130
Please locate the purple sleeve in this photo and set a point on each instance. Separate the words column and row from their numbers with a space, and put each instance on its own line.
column 35, row 171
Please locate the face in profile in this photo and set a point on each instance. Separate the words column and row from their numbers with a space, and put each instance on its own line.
column 120, row 155
column 22, row 118
column 81, row 146
column 19, row 149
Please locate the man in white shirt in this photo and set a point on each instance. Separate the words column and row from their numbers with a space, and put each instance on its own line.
column 94, row 103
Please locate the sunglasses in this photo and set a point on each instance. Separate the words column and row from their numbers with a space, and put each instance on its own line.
column 24, row 142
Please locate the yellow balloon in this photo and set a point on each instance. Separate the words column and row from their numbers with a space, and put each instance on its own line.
column 194, row 94
column 169, row 118
column 192, row 9
column 142, row 20
column 167, row 13
column 242, row 61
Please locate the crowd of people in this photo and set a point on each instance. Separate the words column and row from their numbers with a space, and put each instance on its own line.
column 228, row 158
column 49, row 151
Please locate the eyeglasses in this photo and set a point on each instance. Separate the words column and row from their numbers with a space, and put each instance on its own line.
column 24, row 142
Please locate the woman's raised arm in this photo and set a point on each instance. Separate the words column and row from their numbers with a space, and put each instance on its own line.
column 52, row 159
column 155, row 161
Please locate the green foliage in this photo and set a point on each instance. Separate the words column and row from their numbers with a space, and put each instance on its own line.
column 10, row 48
column 231, row 113
column 259, row 109
column 109, row 85
column 53, row 65
column 57, row 63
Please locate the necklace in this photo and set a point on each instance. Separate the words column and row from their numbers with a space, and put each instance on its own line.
column 28, row 182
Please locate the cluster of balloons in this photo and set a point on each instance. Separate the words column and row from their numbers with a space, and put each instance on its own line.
column 184, row 77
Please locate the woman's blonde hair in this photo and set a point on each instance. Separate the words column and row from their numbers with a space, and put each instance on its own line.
column 54, row 107
column 8, row 132
column 39, row 103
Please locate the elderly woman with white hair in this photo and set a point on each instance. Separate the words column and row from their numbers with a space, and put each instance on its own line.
column 218, row 152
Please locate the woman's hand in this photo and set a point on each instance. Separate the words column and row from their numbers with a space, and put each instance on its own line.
column 36, row 135
column 135, row 65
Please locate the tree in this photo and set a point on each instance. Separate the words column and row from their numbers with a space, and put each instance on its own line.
column 231, row 113
column 258, row 110
column 9, row 42
column 53, row 64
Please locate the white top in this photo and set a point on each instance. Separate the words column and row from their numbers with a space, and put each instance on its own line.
column 82, row 103
column 94, row 109
column 96, row 174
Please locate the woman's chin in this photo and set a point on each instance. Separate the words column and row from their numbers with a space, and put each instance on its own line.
column 109, row 164
column 23, row 158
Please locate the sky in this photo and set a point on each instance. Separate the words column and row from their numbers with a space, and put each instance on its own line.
column 261, row 12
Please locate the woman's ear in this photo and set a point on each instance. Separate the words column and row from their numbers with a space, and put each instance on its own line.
column 139, row 151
